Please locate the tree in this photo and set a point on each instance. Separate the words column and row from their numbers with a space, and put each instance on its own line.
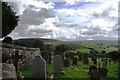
column 39, row 44
column 9, row 19
column 60, row 49
column 115, row 55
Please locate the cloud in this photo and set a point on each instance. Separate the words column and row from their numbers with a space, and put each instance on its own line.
column 93, row 20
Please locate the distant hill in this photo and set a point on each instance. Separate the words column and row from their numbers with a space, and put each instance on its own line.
column 28, row 42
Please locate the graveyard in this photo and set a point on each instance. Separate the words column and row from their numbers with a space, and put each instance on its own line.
column 70, row 64
column 59, row 40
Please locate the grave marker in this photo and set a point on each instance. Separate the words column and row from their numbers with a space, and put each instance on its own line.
column 75, row 60
column 58, row 64
column 66, row 62
column 39, row 68
column 15, row 59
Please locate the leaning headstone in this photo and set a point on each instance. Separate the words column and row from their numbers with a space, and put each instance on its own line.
column 38, row 68
column 7, row 40
column 8, row 72
column 75, row 61
column 58, row 64
column 66, row 62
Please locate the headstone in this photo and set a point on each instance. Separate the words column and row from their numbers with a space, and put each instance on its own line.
column 104, row 63
column 75, row 60
column 80, row 55
column 58, row 64
column 7, row 40
column 39, row 68
column 15, row 59
column 85, row 59
column 95, row 60
column 94, row 74
column 91, row 68
column 49, row 58
column 66, row 62
column 103, row 72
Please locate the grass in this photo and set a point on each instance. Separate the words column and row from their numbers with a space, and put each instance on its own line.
column 75, row 71
column 80, row 70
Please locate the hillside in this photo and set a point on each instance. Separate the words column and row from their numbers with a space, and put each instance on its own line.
column 98, row 45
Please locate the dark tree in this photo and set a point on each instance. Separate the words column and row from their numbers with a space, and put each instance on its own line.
column 115, row 55
column 9, row 19
column 60, row 49
column 39, row 44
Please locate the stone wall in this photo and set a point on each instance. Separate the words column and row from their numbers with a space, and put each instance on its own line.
column 27, row 53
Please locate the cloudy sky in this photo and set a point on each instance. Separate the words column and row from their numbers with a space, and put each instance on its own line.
column 67, row 19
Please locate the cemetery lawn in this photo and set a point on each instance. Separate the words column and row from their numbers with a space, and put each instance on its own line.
column 75, row 71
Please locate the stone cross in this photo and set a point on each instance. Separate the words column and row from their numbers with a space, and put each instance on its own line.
column 15, row 59
column 58, row 64
column 39, row 68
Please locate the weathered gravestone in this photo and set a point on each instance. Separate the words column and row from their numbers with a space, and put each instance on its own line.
column 7, row 40
column 66, row 62
column 95, row 60
column 104, row 63
column 49, row 58
column 58, row 64
column 80, row 55
column 91, row 68
column 103, row 72
column 94, row 74
column 39, row 68
column 75, row 60
column 15, row 59
column 85, row 59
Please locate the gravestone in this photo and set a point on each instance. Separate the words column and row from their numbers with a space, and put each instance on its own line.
column 49, row 58
column 75, row 60
column 80, row 55
column 104, row 63
column 85, row 59
column 66, row 62
column 103, row 72
column 95, row 60
column 91, row 68
column 15, row 59
column 58, row 64
column 39, row 68
column 94, row 74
